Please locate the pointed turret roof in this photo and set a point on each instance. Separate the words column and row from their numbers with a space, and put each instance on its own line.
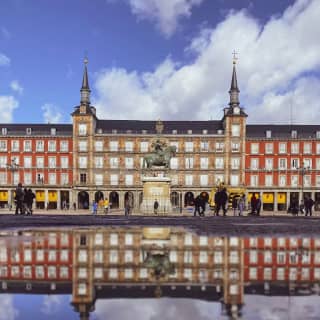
column 234, row 82
column 85, row 81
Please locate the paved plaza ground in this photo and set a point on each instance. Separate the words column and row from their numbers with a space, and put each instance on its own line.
column 269, row 223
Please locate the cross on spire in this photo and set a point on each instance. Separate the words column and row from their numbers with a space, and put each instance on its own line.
column 234, row 53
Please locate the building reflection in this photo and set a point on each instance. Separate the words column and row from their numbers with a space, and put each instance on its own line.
column 109, row 262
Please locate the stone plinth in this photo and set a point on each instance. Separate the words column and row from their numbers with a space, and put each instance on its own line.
column 156, row 189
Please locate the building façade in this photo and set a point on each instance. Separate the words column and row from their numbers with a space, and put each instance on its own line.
column 94, row 158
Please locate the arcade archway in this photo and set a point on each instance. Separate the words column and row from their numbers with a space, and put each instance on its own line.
column 83, row 200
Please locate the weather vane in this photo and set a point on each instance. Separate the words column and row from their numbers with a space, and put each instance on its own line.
column 234, row 56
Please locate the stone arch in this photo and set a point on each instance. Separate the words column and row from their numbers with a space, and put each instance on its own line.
column 189, row 199
column 114, row 200
column 98, row 196
column 174, row 198
column 83, row 200
column 128, row 196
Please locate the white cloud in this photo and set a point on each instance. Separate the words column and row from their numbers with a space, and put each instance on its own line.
column 4, row 60
column 275, row 63
column 51, row 304
column 51, row 113
column 7, row 105
column 165, row 13
column 7, row 310
column 15, row 86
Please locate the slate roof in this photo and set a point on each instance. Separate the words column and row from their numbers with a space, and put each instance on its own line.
column 36, row 129
column 281, row 130
column 136, row 126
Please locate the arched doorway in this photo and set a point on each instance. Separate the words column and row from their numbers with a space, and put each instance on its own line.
column 114, row 200
column 98, row 196
column 83, row 200
column 174, row 197
column 128, row 196
column 188, row 199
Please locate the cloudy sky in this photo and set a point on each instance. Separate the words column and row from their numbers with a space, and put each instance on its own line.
column 168, row 59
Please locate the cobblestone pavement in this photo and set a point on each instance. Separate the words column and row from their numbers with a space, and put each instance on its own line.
column 268, row 224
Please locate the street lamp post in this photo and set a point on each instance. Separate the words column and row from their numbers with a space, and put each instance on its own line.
column 12, row 167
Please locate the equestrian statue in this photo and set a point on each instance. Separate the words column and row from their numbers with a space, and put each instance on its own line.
column 161, row 155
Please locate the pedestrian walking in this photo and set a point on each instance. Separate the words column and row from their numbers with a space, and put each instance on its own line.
column 106, row 205
column 94, row 208
column 308, row 205
column 155, row 207
column 29, row 196
column 234, row 205
column 258, row 206
column 196, row 206
column 126, row 207
column 217, row 202
column 253, row 203
column 19, row 199
column 224, row 200
column 241, row 204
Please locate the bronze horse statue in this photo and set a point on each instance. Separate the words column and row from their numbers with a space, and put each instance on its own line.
column 159, row 158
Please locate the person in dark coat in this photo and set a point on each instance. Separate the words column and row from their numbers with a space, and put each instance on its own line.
column 197, row 203
column 217, row 202
column 235, row 205
column 19, row 199
column 258, row 206
column 155, row 207
column 224, row 200
column 29, row 196
column 253, row 204
column 309, row 204
column 203, row 203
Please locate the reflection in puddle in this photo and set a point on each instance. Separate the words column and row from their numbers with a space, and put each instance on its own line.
column 102, row 268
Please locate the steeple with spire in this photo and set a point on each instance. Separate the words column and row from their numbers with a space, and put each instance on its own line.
column 234, row 90
column 85, row 90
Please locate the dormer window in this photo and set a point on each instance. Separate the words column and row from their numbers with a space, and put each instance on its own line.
column 28, row 131
column 99, row 130
column 268, row 134
column 144, row 131
column 174, row 131
column 318, row 134
column 294, row 134
column 114, row 131
column 204, row 131
column 189, row 131
column 4, row 131
column 129, row 131
column 53, row 131
column 220, row 132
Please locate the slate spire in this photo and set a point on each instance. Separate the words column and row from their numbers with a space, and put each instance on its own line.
column 85, row 90
column 234, row 90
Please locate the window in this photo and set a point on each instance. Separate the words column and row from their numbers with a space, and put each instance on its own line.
column 267, row 273
column 98, row 145
column 27, row 146
column 317, row 180
column 204, row 180
column 98, row 161
column 128, row 239
column 175, row 144
column 235, row 163
column 281, row 257
column 98, row 179
column 3, row 145
column 282, row 164
column 128, row 256
column 188, row 179
column 294, row 134
column 307, row 148
column 4, row 131
column 307, row 163
column 64, row 161
column 98, row 256
column 269, row 180
column 64, row 146
column 3, row 177
column 113, row 145
column 40, row 162
column 129, row 179
column 280, row 273
column 269, row 148
column 204, row 146
column 234, row 180
column 268, row 134
column 204, row 162
column 39, row 272
column 174, row 163
column 114, row 179
column 253, row 273
column 219, row 146
column 219, row 163
column 82, row 162
column 188, row 146
column 52, row 162
column 114, row 163
column 114, row 239
column 129, row 146
column 113, row 273
column 282, row 147
column 294, row 147
column 188, row 163
column 52, row 178
column 129, row 163
column 269, row 163
column 82, row 129
column 28, row 131
column 294, row 181
column 15, row 145
column 254, row 148
column 267, row 256
column 318, row 164
column 235, row 130
column 235, row 146
column 318, row 148
column 144, row 146
column 53, row 131
column 83, row 178
column 3, row 161
column 203, row 257
column 27, row 178
column 254, row 163
column 64, row 178
column 83, row 146
column 27, row 162
column 52, row 146
column 294, row 163
column 282, row 181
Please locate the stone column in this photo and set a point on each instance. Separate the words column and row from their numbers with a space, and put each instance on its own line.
column 58, row 200
column 275, row 201
column 46, row 198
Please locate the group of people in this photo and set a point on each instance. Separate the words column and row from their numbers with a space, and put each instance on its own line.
column 102, row 204
column 24, row 200
column 199, row 206
column 255, row 205
column 305, row 206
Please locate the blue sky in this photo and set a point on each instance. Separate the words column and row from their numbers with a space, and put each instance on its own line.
column 168, row 59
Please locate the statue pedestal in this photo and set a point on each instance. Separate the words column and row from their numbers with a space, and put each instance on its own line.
column 156, row 189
